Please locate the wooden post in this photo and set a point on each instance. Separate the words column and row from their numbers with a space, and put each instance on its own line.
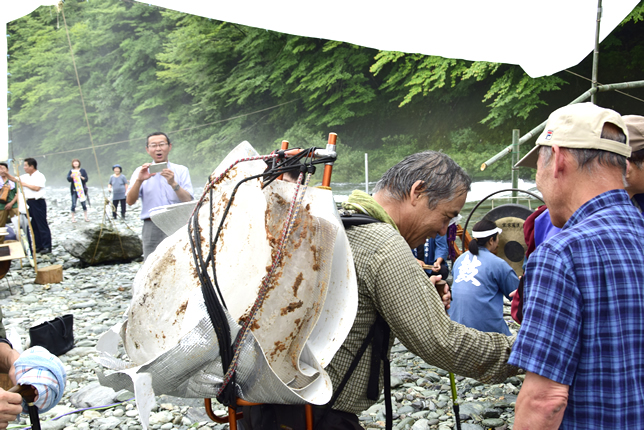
column 31, row 230
column 50, row 275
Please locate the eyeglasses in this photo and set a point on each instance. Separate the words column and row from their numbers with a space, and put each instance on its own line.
column 158, row 145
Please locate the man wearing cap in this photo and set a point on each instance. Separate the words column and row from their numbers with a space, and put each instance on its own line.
column 172, row 185
column 581, row 340
column 635, row 175
column 118, row 187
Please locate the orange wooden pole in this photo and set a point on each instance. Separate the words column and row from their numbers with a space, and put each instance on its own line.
column 328, row 167
column 232, row 418
column 309, row 416
column 284, row 146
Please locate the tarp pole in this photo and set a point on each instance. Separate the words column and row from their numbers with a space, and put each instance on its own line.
column 538, row 129
column 593, row 97
column 515, row 160
column 366, row 173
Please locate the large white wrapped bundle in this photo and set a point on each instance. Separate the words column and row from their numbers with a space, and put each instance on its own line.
column 307, row 312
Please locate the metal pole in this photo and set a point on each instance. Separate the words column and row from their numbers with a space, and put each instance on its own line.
column 593, row 97
column 582, row 98
column 515, row 160
column 366, row 173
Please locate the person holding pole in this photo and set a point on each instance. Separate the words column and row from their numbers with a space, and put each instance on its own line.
column 33, row 184
column 8, row 206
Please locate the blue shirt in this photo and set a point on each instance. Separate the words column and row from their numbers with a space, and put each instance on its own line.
column 156, row 191
column 583, row 323
column 543, row 228
column 480, row 282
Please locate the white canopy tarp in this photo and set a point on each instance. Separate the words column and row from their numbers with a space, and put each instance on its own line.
column 542, row 37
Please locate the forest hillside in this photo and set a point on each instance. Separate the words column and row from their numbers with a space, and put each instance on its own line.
column 212, row 84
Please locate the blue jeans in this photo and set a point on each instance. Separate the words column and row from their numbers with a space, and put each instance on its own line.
column 74, row 200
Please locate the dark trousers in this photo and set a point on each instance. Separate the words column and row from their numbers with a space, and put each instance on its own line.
column 75, row 200
column 285, row 417
column 151, row 236
column 38, row 212
column 115, row 203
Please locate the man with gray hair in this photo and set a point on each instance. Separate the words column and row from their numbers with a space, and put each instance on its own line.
column 414, row 200
column 581, row 340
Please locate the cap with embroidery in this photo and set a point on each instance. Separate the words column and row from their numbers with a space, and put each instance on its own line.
column 579, row 126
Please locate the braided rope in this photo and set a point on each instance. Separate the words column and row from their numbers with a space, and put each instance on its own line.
column 219, row 178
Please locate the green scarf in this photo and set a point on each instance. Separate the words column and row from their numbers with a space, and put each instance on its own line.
column 362, row 202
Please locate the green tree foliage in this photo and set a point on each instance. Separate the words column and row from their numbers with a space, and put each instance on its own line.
column 213, row 84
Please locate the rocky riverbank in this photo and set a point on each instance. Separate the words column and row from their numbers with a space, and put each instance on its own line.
column 98, row 298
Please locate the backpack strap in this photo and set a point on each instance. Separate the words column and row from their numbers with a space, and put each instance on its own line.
column 354, row 219
column 378, row 334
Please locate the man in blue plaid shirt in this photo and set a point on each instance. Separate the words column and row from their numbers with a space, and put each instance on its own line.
column 582, row 337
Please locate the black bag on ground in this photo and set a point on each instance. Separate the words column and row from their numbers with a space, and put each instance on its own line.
column 56, row 336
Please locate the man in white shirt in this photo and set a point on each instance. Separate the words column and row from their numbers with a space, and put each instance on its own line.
column 33, row 184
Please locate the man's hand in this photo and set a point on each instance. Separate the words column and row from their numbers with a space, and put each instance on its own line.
column 437, row 264
column 169, row 176
column 10, row 407
column 442, row 288
column 541, row 403
column 421, row 263
column 144, row 173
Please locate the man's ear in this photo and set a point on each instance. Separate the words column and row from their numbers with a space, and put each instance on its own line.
column 561, row 160
column 629, row 170
column 416, row 192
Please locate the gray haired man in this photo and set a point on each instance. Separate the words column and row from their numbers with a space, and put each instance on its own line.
column 415, row 199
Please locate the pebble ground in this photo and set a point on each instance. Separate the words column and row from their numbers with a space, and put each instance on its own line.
column 98, row 298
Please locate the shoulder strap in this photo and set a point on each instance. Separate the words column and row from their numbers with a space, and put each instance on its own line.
column 350, row 220
column 379, row 335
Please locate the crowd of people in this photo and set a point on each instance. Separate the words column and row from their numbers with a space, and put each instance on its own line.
column 581, row 338
column 170, row 185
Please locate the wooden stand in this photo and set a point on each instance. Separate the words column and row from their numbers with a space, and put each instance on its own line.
column 50, row 275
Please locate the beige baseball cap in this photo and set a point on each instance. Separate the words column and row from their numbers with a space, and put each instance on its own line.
column 635, row 126
column 578, row 126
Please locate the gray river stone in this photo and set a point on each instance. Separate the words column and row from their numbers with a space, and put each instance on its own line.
column 94, row 244
column 93, row 395
column 58, row 424
column 493, row 422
